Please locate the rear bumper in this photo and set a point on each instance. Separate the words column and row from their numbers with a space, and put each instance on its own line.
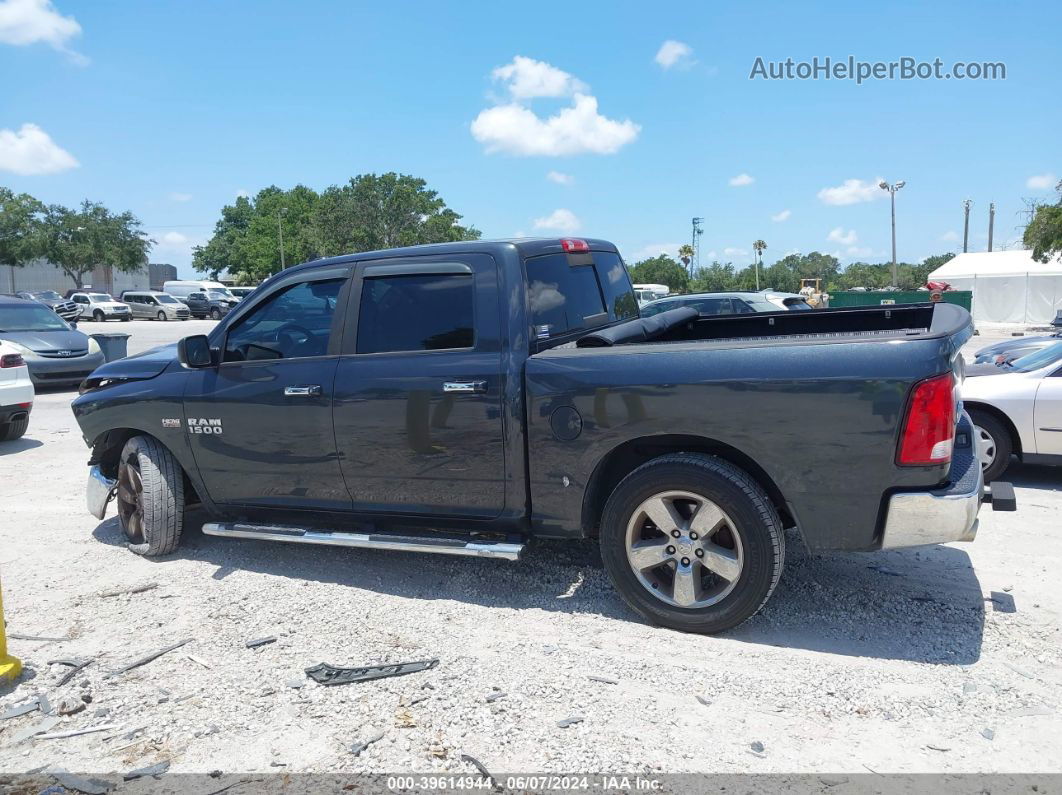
column 98, row 492
column 942, row 515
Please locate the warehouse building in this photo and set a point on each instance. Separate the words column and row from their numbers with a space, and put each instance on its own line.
column 43, row 275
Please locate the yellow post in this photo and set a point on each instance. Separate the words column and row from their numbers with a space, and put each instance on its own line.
column 10, row 667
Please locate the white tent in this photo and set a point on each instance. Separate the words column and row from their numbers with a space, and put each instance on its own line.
column 1008, row 286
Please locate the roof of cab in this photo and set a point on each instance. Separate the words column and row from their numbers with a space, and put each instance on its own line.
column 525, row 246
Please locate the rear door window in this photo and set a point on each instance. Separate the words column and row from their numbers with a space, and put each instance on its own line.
column 574, row 293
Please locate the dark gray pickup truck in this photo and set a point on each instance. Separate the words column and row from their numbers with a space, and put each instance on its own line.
column 467, row 398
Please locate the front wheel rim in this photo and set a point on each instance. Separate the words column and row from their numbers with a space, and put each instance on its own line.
column 986, row 449
column 131, row 499
column 684, row 549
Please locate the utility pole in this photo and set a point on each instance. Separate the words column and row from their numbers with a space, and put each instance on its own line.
column 280, row 230
column 892, row 196
column 991, row 223
column 695, row 261
column 966, row 225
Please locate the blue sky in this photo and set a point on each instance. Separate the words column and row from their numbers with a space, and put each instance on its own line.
column 169, row 109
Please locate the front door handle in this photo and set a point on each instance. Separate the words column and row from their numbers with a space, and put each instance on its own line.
column 465, row 386
column 303, row 390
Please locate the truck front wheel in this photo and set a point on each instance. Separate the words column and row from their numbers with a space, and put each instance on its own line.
column 691, row 542
column 150, row 497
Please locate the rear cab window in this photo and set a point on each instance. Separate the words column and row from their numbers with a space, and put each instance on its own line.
column 573, row 292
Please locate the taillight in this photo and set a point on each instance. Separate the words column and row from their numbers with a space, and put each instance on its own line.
column 570, row 245
column 12, row 360
column 929, row 428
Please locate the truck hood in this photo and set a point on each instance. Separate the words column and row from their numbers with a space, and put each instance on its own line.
column 48, row 340
column 138, row 367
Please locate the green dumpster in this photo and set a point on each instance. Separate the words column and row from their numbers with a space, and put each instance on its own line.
column 849, row 298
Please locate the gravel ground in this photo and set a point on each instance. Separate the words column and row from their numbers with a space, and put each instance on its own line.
column 942, row 659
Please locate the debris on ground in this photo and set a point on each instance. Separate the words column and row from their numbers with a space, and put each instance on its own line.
column 149, row 586
column 89, row 786
column 149, row 657
column 254, row 644
column 198, row 661
column 326, row 674
column 570, row 721
column 21, row 709
column 77, row 732
column 357, row 748
column 17, row 636
column 50, row 722
column 75, row 668
column 481, row 768
column 152, row 771
column 988, row 734
column 703, row 700
column 495, row 696
column 603, row 679
column 757, row 746
column 404, row 719
column 69, row 705
column 940, row 748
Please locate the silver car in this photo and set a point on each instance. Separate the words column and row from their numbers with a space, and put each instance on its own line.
column 150, row 305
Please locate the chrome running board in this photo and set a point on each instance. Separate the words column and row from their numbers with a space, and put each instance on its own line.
column 440, row 545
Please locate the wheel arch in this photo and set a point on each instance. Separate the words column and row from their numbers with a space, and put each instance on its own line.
column 107, row 450
column 631, row 454
column 1002, row 417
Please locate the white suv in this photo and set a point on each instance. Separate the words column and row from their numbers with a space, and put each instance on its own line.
column 16, row 393
column 100, row 307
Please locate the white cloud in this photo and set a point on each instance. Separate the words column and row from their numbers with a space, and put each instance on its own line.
column 24, row 22
column 31, row 151
column 528, row 78
column 173, row 239
column 180, row 197
column 950, row 236
column 740, row 180
column 560, row 220
column 735, row 252
column 1041, row 181
column 859, row 251
column 838, row 235
column 653, row 250
column 853, row 191
column 559, row 178
column 672, row 53
column 512, row 127
column 782, row 216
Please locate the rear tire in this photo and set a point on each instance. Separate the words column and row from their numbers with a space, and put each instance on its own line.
column 98, row 316
column 994, row 444
column 160, row 316
column 150, row 497
column 215, row 314
column 720, row 552
column 15, row 429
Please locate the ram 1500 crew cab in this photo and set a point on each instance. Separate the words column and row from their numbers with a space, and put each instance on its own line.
column 467, row 398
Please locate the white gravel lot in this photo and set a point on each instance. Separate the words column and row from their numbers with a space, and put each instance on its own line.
column 942, row 659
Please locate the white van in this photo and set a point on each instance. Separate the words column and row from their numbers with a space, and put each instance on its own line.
column 182, row 289
column 650, row 292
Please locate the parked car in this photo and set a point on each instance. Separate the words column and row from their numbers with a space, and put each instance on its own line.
column 494, row 392
column 65, row 308
column 179, row 288
column 210, row 303
column 793, row 302
column 1017, row 410
column 16, row 393
column 101, row 307
column 241, row 292
column 1019, row 346
column 55, row 353
column 729, row 303
column 155, row 306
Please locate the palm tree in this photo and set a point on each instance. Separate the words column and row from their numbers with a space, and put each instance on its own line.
column 685, row 253
column 758, row 247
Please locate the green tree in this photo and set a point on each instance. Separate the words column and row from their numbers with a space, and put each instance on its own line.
column 661, row 270
column 227, row 248
column 685, row 254
column 77, row 241
column 1044, row 232
column 21, row 216
column 384, row 211
column 714, row 278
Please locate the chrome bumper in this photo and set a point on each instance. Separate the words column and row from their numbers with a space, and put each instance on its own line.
column 939, row 516
column 98, row 492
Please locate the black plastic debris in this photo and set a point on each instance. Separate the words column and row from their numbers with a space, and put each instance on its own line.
column 325, row 674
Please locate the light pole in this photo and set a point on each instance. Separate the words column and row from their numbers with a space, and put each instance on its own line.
column 966, row 225
column 280, row 229
column 892, row 196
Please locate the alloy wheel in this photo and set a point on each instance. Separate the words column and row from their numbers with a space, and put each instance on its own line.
column 131, row 498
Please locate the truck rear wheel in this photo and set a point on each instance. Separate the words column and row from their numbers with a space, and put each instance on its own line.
column 691, row 542
column 150, row 497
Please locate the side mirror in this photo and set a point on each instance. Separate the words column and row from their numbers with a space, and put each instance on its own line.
column 195, row 351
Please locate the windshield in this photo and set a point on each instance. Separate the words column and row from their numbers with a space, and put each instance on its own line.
column 1034, row 361
column 32, row 317
column 166, row 299
column 48, row 295
column 100, row 298
column 218, row 294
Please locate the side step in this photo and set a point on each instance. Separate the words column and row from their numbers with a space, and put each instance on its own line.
column 440, row 545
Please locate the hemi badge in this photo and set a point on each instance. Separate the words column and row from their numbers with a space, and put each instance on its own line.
column 171, row 423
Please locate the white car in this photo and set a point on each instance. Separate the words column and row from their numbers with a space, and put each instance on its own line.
column 1017, row 410
column 16, row 393
column 100, row 307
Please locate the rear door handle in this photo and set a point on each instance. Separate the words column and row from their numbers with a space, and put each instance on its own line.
column 303, row 390
column 465, row 386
